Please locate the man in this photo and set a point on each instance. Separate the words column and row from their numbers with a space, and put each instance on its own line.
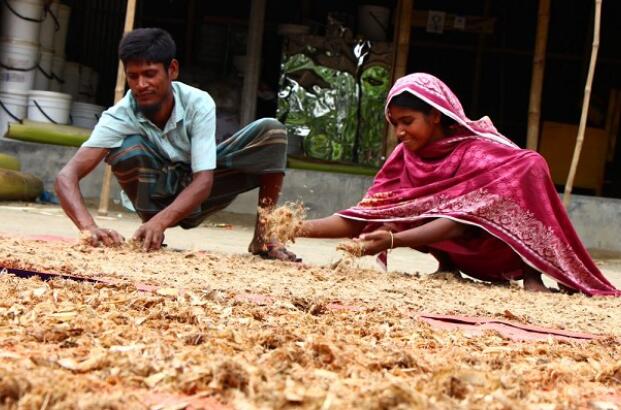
column 160, row 142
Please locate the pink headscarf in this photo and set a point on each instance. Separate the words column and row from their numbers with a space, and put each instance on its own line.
column 478, row 177
column 435, row 93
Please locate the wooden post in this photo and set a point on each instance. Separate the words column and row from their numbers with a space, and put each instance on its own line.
column 189, row 32
column 403, row 29
column 613, row 118
column 478, row 64
column 119, row 91
column 253, row 62
column 585, row 107
column 536, row 83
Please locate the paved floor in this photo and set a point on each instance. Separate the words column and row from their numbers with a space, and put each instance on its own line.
column 27, row 219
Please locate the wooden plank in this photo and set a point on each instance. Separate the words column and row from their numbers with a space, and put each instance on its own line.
column 403, row 30
column 119, row 91
column 536, row 83
column 556, row 147
column 253, row 62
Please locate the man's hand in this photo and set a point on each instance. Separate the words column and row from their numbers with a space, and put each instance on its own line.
column 151, row 234
column 375, row 242
column 107, row 237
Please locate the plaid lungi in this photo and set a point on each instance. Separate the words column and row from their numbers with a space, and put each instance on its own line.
column 152, row 182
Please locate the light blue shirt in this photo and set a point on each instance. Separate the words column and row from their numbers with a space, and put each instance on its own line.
column 189, row 135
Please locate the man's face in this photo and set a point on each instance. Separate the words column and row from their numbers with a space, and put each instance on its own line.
column 150, row 83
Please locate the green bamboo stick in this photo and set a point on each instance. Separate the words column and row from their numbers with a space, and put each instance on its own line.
column 18, row 186
column 45, row 133
column 9, row 162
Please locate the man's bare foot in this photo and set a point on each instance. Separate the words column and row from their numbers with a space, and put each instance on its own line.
column 272, row 251
column 533, row 282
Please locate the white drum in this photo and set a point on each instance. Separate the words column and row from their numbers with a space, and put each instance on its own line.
column 85, row 83
column 21, row 20
column 72, row 79
column 49, row 106
column 60, row 38
column 19, row 62
column 58, row 73
column 43, row 74
column 49, row 27
column 85, row 115
column 12, row 108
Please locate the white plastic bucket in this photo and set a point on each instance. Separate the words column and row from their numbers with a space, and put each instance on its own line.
column 49, row 27
column 373, row 22
column 49, row 106
column 85, row 83
column 20, row 60
column 85, row 115
column 58, row 73
column 21, row 20
column 43, row 75
column 71, row 85
column 12, row 109
column 60, row 38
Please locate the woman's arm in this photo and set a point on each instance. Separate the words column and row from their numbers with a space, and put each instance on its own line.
column 437, row 230
column 333, row 226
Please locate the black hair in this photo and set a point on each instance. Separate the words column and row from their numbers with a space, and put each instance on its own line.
column 409, row 100
column 148, row 44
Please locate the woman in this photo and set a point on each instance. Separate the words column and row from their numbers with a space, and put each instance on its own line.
column 468, row 195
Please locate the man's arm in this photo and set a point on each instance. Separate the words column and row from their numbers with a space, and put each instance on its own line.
column 68, row 190
column 151, row 233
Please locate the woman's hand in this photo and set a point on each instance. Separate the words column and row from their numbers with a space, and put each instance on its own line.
column 376, row 241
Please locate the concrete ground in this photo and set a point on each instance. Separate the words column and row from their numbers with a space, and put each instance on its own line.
column 224, row 232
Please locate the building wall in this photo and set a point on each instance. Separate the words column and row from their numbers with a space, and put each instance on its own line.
column 46, row 161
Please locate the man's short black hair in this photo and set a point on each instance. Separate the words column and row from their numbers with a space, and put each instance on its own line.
column 148, row 44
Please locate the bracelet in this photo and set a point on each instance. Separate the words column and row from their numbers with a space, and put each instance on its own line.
column 392, row 240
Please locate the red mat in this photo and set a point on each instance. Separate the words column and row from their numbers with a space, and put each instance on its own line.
column 173, row 401
column 516, row 331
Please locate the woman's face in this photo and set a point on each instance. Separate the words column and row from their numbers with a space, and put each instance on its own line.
column 415, row 129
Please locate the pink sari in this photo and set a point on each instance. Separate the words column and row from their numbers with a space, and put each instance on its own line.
column 479, row 177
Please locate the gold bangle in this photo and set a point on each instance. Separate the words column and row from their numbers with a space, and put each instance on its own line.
column 392, row 240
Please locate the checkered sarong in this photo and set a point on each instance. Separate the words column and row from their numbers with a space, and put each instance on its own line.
column 152, row 182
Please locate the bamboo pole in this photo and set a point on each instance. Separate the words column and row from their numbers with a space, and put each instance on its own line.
column 403, row 29
column 585, row 106
column 119, row 91
column 536, row 84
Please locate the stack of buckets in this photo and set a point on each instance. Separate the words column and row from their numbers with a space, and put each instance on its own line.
column 35, row 81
